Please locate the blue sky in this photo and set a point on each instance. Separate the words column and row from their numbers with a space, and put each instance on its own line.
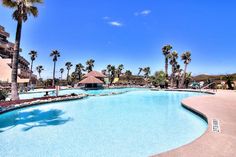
column 131, row 33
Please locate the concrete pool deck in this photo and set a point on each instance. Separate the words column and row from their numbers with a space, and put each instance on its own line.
column 221, row 106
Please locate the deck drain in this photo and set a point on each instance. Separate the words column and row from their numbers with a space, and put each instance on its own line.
column 216, row 125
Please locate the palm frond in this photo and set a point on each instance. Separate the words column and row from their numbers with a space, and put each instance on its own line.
column 9, row 3
column 36, row 1
column 15, row 15
column 33, row 10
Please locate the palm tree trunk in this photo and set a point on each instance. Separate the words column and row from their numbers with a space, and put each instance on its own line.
column 14, row 88
column 67, row 76
column 183, row 77
column 54, row 69
column 79, row 76
column 61, row 76
column 31, row 67
column 166, row 67
column 172, row 77
column 40, row 75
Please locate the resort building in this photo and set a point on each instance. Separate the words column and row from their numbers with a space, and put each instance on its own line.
column 93, row 79
column 6, row 53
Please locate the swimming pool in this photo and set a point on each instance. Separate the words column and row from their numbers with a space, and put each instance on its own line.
column 79, row 91
column 137, row 123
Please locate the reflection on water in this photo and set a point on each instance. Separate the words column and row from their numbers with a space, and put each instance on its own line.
column 32, row 119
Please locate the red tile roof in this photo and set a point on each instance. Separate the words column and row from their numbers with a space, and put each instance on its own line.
column 95, row 74
column 91, row 80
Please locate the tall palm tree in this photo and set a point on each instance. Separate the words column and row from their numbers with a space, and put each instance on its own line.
column 109, row 68
column 146, row 71
column 22, row 9
column 90, row 65
column 173, row 62
column 68, row 67
column 39, row 70
column 119, row 70
column 109, row 71
column 33, row 56
column 78, row 70
column 140, row 70
column 55, row 55
column 61, row 71
column 166, row 51
column 113, row 73
column 186, row 57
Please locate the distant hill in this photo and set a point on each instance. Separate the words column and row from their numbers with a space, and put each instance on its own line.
column 204, row 77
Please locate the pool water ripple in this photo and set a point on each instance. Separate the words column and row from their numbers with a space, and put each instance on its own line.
column 137, row 123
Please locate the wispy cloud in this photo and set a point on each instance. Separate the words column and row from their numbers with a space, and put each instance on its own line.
column 115, row 24
column 112, row 22
column 106, row 18
column 143, row 13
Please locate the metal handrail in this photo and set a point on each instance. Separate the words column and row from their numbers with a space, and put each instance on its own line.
column 207, row 85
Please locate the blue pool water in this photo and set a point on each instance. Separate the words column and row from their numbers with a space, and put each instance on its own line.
column 79, row 91
column 134, row 124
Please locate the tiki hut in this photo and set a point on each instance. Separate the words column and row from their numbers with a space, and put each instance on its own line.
column 92, row 82
column 95, row 74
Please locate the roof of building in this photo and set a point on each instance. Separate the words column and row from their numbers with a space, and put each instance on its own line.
column 3, row 32
column 95, row 74
column 91, row 80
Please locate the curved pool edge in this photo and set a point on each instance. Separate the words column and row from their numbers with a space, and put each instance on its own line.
column 221, row 106
column 24, row 103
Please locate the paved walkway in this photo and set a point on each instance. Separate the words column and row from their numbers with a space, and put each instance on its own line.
column 221, row 106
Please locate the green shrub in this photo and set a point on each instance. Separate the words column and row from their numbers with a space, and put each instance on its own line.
column 3, row 95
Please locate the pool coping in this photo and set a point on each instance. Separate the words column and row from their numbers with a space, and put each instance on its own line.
column 11, row 105
column 196, row 147
column 221, row 106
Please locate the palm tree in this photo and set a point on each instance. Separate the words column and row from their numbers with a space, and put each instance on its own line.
column 128, row 75
column 187, row 80
column 73, row 77
column 68, row 67
column 90, row 65
column 186, row 57
column 159, row 79
column 119, row 70
column 146, row 71
column 54, row 54
column 33, row 56
column 166, row 51
column 39, row 70
column 22, row 9
column 113, row 73
column 109, row 71
column 229, row 81
column 178, row 72
column 109, row 68
column 140, row 70
column 104, row 71
column 173, row 62
column 78, row 70
column 61, row 71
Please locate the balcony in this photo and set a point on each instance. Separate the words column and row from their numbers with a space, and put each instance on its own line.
column 24, row 74
column 3, row 33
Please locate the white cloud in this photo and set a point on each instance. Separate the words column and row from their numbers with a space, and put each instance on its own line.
column 115, row 23
column 143, row 13
column 106, row 18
